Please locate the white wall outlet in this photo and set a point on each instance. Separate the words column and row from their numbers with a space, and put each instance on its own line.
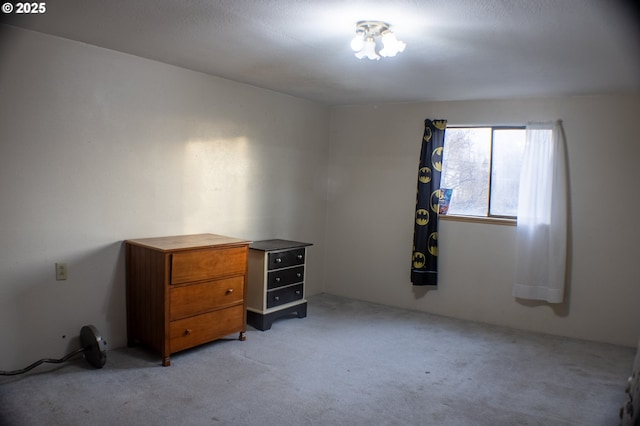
column 62, row 271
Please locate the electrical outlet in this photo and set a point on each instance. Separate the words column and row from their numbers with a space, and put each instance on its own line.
column 62, row 271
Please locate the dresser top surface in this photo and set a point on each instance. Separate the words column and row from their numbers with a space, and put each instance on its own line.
column 270, row 245
column 182, row 242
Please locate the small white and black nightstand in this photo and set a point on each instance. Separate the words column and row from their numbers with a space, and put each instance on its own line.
column 276, row 273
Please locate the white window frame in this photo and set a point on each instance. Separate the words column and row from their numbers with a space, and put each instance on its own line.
column 488, row 218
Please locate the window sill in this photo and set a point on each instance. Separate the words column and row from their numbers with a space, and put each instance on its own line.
column 479, row 219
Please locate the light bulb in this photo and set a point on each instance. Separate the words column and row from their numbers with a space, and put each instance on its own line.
column 368, row 50
column 357, row 43
column 391, row 45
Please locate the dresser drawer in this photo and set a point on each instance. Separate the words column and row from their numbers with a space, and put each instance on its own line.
column 194, row 299
column 284, row 259
column 284, row 295
column 193, row 331
column 209, row 264
column 282, row 277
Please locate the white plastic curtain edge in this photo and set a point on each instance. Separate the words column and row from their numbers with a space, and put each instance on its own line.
column 541, row 242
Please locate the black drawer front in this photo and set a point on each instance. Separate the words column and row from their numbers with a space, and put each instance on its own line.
column 284, row 295
column 283, row 259
column 284, row 277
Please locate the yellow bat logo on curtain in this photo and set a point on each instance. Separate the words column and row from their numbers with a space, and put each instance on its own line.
column 435, row 200
column 436, row 159
column 422, row 217
column 440, row 124
column 424, row 175
column 418, row 260
column 433, row 244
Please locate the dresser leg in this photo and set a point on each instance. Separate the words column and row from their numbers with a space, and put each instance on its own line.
column 242, row 336
column 166, row 361
column 302, row 310
column 266, row 323
column 258, row 321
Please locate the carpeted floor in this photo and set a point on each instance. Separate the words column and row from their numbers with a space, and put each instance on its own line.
column 347, row 363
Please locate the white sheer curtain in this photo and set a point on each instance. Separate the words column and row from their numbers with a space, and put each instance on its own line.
column 541, row 249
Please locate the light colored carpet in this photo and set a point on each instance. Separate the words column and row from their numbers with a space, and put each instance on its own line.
column 347, row 363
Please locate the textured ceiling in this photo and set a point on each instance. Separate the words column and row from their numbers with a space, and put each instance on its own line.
column 456, row 49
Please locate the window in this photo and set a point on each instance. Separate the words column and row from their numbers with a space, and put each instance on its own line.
column 481, row 165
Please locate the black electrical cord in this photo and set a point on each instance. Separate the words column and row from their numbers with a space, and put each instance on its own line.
column 37, row 363
column 92, row 345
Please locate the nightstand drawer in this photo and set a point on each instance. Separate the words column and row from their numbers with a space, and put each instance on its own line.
column 195, row 299
column 284, row 295
column 284, row 259
column 193, row 331
column 200, row 265
column 282, row 277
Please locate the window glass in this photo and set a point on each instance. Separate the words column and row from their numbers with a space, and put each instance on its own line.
column 466, row 156
column 508, row 147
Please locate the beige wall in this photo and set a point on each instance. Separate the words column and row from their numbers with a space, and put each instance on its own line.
column 98, row 146
column 373, row 168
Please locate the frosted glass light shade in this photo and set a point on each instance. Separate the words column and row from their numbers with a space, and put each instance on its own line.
column 368, row 50
column 391, row 45
column 357, row 43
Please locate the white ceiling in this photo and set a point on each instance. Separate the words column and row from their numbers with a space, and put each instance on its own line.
column 456, row 49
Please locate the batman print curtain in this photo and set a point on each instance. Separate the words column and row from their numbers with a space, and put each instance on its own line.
column 424, row 265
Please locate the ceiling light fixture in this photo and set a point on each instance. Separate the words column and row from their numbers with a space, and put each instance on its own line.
column 368, row 33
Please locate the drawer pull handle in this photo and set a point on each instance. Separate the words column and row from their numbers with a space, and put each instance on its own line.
column 300, row 257
column 297, row 291
column 277, row 279
column 187, row 332
column 276, row 298
column 229, row 290
column 278, row 260
column 299, row 275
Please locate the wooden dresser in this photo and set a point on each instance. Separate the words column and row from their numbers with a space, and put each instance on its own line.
column 276, row 281
column 184, row 291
